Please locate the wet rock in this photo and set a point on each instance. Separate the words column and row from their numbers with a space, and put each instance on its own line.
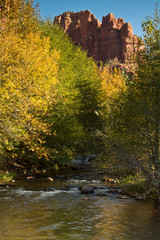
column 30, row 177
column 100, row 173
column 122, row 197
column 97, row 187
column 71, row 186
column 112, row 190
column 4, row 185
column 65, row 176
column 111, row 180
column 50, row 179
column 50, row 189
column 140, row 196
column 62, row 176
column 101, row 194
column 13, row 180
column 86, row 189
column 67, row 188
column 122, row 192
column 115, row 190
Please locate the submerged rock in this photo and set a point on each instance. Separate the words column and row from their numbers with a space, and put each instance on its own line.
column 101, row 194
column 86, row 189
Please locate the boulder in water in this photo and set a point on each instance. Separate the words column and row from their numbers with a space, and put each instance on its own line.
column 86, row 189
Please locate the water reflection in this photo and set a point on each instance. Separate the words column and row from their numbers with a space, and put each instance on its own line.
column 33, row 214
column 128, row 220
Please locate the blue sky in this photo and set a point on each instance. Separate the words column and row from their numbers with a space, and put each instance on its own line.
column 131, row 11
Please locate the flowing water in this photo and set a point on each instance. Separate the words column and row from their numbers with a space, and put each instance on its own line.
column 42, row 210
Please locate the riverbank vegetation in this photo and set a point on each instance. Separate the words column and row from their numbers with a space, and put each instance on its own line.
column 56, row 103
column 50, row 91
column 132, row 129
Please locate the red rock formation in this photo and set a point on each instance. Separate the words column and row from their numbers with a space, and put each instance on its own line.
column 111, row 39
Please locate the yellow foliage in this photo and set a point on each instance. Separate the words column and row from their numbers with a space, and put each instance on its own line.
column 112, row 82
column 19, row 15
column 28, row 78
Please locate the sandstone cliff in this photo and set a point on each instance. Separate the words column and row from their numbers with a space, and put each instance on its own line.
column 111, row 39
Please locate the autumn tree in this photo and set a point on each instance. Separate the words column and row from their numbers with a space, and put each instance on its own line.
column 28, row 84
column 136, row 119
column 114, row 86
column 76, row 114
column 19, row 15
column 54, row 99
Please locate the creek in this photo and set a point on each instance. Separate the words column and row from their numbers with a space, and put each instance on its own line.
column 38, row 209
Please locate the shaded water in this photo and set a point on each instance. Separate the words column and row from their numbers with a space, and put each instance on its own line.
column 32, row 213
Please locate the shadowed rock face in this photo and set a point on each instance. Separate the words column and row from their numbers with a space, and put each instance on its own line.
column 111, row 39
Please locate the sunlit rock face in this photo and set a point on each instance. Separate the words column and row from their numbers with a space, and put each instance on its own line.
column 111, row 39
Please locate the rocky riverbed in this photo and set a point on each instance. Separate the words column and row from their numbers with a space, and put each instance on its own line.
column 77, row 204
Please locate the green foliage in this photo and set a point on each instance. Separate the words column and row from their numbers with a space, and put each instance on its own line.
column 75, row 114
column 132, row 179
column 141, row 111
column 134, row 185
column 135, row 115
column 50, row 91
column 7, row 177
